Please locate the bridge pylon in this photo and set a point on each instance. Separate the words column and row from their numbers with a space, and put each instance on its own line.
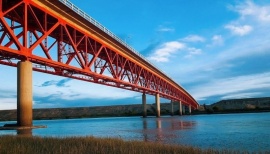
column 180, row 108
column 157, row 99
column 172, row 109
column 144, row 105
column 24, row 94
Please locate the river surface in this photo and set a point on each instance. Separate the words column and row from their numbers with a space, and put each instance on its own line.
column 247, row 131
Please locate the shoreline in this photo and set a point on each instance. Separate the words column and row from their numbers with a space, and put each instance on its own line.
column 111, row 111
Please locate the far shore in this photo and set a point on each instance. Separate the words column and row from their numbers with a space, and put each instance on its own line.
column 113, row 111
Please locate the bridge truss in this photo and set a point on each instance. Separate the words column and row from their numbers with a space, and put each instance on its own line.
column 61, row 42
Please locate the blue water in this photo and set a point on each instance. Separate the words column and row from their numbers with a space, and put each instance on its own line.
column 249, row 131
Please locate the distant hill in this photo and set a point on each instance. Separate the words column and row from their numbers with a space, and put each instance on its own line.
column 240, row 105
column 91, row 112
column 224, row 106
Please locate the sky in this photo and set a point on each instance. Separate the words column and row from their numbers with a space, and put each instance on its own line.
column 216, row 50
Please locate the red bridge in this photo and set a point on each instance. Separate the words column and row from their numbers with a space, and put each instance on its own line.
column 56, row 37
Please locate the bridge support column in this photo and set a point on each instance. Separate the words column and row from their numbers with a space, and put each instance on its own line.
column 157, row 105
column 180, row 108
column 144, row 105
column 172, row 110
column 24, row 94
column 189, row 109
column 184, row 109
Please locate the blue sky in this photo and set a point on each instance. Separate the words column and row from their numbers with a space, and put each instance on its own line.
column 215, row 49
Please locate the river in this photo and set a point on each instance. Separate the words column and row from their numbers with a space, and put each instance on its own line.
column 246, row 131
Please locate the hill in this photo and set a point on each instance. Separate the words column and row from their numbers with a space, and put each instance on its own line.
column 240, row 105
column 91, row 112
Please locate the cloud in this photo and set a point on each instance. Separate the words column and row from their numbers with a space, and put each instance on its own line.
column 8, row 103
column 194, row 38
column 163, row 53
column 216, row 40
column 192, row 52
column 250, row 9
column 60, row 83
column 162, row 28
column 76, row 90
column 239, row 30
column 241, row 95
column 230, row 86
column 165, row 29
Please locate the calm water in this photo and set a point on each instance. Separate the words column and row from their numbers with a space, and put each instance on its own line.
column 225, row 131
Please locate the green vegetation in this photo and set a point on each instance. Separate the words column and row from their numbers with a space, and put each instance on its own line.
column 72, row 145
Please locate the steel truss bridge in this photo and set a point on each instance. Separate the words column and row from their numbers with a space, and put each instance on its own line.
column 60, row 39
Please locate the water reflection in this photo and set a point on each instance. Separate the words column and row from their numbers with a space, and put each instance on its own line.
column 145, row 135
column 164, row 128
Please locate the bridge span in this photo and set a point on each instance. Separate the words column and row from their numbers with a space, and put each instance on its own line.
column 56, row 37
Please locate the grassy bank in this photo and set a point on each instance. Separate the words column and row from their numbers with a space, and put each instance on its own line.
column 72, row 145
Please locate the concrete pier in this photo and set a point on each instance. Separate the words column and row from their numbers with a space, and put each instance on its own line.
column 180, row 108
column 172, row 110
column 189, row 109
column 157, row 105
column 24, row 94
column 183, row 109
column 144, row 105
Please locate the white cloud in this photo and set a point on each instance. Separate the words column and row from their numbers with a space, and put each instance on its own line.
column 231, row 86
column 241, row 95
column 165, row 29
column 265, row 14
column 244, row 9
column 217, row 40
column 194, row 38
column 8, row 103
column 163, row 53
column 162, row 28
column 193, row 51
column 74, row 90
column 239, row 30
column 82, row 90
column 250, row 9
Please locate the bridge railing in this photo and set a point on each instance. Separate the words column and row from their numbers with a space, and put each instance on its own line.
column 104, row 29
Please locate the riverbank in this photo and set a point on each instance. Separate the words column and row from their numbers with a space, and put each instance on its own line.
column 70, row 145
